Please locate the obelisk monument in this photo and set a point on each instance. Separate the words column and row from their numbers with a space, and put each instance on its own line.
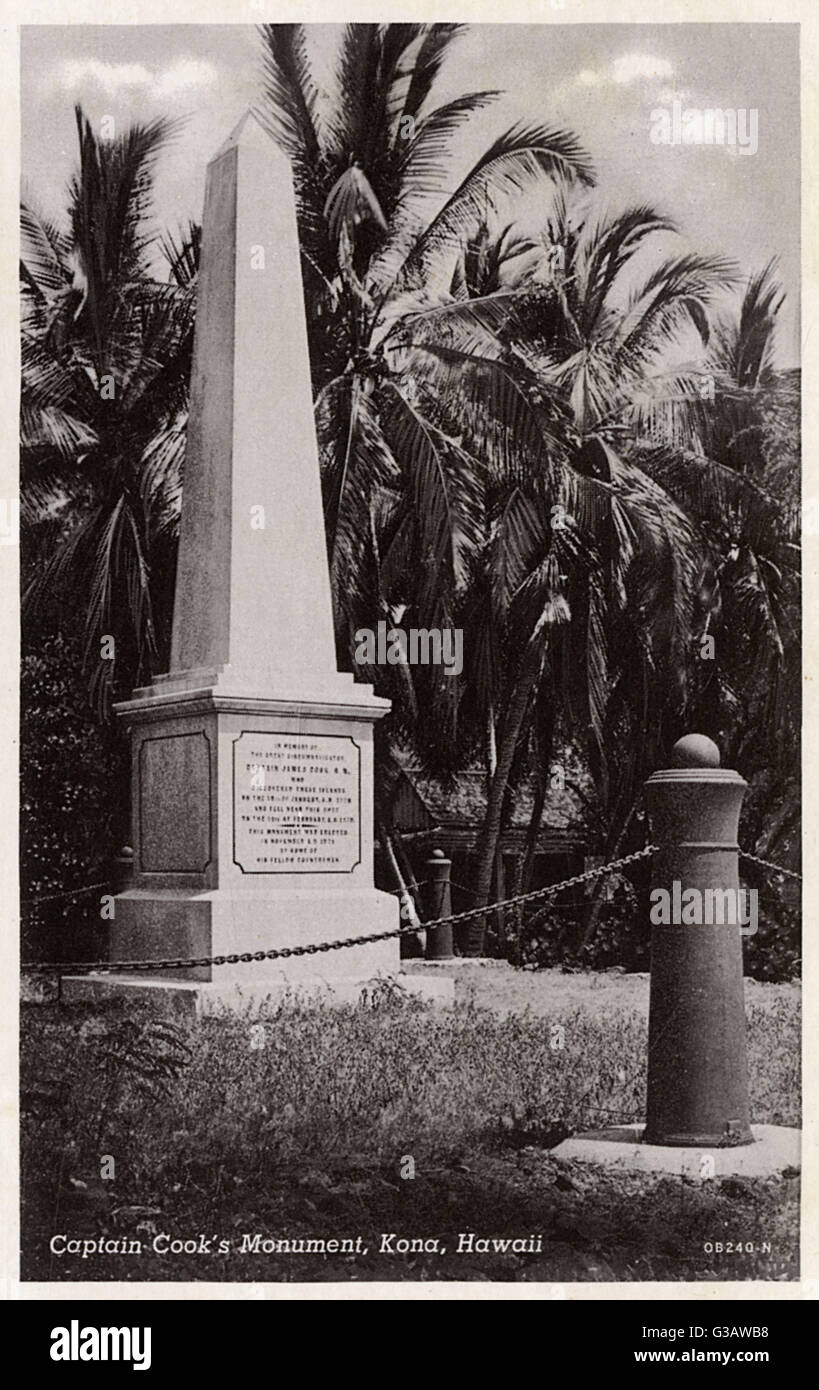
column 252, row 759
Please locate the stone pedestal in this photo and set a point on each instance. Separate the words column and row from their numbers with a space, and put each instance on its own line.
column 252, row 829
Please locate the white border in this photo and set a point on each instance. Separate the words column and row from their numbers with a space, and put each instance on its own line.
column 584, row 12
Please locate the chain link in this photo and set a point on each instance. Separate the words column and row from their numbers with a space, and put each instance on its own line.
column 105, row 883
column 766, row 864
column 287, row 952
column 69, row 893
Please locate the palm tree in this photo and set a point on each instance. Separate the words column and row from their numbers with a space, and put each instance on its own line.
column 380, row 229
column 721, row 442
column 106, row 350
column 738, row 476
column 469, row 383
column 590, row 567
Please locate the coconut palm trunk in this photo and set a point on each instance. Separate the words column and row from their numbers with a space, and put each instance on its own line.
column 493, row 820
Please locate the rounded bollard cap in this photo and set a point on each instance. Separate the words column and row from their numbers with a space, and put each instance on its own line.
column 438, row 854
column 695, row 750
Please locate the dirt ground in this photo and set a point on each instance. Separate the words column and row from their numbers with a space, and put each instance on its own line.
column 498, row 986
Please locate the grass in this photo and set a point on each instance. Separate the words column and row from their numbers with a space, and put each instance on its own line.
column 388, row 1117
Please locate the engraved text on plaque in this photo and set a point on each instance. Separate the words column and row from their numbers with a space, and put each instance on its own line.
column 296, row 803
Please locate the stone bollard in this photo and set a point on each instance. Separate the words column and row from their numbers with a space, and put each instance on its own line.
column 123, row 878
column 697, row 1069
column 438, row 903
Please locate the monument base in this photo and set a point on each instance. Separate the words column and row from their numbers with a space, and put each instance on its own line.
column 187, row 999
column 253, row 831
column 164, row 923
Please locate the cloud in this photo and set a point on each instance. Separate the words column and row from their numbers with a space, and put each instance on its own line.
column 112, row 76
column 632, row 66
column 188, row 72
column 115, row 78
column 622, row 71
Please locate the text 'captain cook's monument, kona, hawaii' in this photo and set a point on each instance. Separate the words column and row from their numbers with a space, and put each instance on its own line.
column 252, row 759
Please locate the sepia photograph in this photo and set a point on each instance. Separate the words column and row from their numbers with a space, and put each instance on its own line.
column 410, row 676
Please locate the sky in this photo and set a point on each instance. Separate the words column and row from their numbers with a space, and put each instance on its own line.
column 601, row 81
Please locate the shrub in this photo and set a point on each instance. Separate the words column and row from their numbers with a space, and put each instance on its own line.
column 623, row 937
column 774, row 952
column 74, row 804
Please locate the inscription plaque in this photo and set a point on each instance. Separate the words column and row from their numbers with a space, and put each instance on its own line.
column 296, row 803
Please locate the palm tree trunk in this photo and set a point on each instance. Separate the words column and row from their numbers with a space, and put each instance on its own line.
column 592, row 916
column 532, row 834
column 490, row 831
column 491, row 746
column 411, row 943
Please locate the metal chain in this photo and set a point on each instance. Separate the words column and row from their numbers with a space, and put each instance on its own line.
column 105, row 883
column 766, row 864
column 286, row 952
column 69, row 893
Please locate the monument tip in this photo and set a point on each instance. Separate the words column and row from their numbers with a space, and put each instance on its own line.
column 248, row 133
column 695, row 750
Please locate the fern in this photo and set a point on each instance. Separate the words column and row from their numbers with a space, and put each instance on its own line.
column 136, row 1059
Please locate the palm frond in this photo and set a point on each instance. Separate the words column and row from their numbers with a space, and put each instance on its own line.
column 431, row 54
column 355, row 460
column 604, row 250
column 445, row 489
column 482, row 399
column 678, row 290
column 515, row 161
column 350, row 202
column 359, row 57
column 110, row 204
column 424, row 163
column 292, row 110
column 754, row 341
column 44, row 252
column 182, row 252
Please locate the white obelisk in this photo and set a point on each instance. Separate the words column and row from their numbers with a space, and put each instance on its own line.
column 252, row 774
